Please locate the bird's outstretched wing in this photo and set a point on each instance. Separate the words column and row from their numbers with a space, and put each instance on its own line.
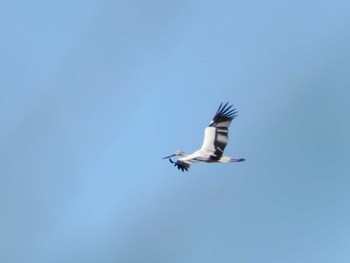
column 183, row 166
column 216, row 134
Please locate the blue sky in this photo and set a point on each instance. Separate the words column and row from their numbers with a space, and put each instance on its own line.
column 94, row 93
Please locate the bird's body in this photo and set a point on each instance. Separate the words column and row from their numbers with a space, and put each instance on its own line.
column 215, row 141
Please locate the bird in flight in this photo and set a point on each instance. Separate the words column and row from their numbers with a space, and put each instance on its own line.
column 215, row 141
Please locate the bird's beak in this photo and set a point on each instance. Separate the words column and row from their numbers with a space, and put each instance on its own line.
column 169, row 156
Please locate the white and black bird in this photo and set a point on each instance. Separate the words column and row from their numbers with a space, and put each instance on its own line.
column 215, row 141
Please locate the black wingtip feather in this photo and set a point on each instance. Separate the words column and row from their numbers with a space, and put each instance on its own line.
column 224, row 113
column 179, row 165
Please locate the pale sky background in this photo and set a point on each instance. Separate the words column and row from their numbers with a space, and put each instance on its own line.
column 94, row 93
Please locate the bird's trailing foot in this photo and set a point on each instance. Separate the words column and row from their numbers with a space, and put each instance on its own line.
column 237, row 160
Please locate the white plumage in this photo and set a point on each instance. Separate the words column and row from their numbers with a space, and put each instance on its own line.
column 215, row 141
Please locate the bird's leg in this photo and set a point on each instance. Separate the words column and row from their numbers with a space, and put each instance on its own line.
column 237, row 160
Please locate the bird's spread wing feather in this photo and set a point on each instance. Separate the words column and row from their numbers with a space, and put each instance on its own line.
column 183, row 166
column 216, row 134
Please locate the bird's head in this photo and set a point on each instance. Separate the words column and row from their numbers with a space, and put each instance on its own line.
column 177, row 153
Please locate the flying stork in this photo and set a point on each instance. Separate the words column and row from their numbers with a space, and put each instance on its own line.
column 215, row 141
